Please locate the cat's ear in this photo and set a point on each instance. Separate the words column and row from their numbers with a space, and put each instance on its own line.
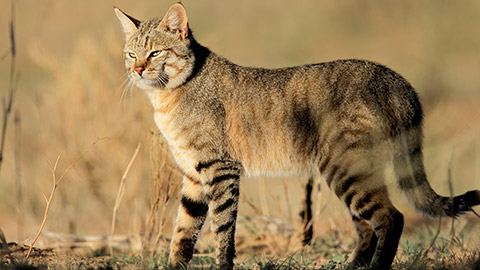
column 176, row 21
column 129, row 24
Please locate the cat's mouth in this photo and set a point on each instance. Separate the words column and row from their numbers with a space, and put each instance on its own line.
column 155, row 80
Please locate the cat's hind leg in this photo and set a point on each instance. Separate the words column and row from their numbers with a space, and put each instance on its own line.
column 388, row 226
column 379, row 225
column 363, row 191
column 367, row 241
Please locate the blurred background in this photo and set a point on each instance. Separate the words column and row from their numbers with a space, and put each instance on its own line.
column 68, row 100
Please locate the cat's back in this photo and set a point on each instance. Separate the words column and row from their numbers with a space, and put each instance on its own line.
column 352, row 76
column 283, row 113
column 321, row 87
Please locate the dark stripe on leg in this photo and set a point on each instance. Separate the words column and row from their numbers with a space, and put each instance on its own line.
column 336, row 173
column 186, row 247
column 367, row 214
column 224, row 177
column 225, row 226
column 349, row 197
column 324, row 163
column 233, row 190
column 345, row 185
column 332, row 173
column 193, row 208
column 306, row 214
column 342, row 174
column 207, row 164
column 234, row 214
column 366, row 199
column 224, row 206
column 355, row 218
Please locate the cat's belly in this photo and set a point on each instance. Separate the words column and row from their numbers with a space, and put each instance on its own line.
column 277, row 168
column 275, row 157
column 263, row 150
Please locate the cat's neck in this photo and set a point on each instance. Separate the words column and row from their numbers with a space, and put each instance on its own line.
column 201, row 54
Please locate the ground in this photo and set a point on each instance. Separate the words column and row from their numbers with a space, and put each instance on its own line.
column 324, row 253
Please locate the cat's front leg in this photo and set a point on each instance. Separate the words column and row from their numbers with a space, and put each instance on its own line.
column 222, row 182
column 191, row 215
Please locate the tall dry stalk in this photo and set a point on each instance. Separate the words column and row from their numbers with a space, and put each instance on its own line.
column 18, row 176
column 3, row 243
column 263, row 198
column 56, row 182
column 450, row 188
column 287, row 200
column 8, row 104
column 163, row 187
column 120, row 193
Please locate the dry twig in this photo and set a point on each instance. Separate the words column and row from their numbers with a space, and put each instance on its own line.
column 7, row 105
column 18, row 176
column 163, row 187
column 56, row 182
column 3, row 243
column 450, row 188
column 120, row 193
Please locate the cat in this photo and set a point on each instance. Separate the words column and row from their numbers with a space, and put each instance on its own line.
column 342, row 120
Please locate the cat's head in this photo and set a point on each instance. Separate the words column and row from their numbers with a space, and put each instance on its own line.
column 158, row 52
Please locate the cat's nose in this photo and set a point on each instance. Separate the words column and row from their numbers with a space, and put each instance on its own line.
column 139, row 70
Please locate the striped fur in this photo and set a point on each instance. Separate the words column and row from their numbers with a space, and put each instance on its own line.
column 341, row 120
column 306, row 213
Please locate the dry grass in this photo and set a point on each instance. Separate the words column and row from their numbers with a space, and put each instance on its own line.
column 55, row 183
column 121, row 193
column 69, row 96
column 164, row 186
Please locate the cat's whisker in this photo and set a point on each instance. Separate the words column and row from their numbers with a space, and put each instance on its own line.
column 163, row 79
column 123, row 84
column 125, row 89
column 159, row 82
column 128, row 88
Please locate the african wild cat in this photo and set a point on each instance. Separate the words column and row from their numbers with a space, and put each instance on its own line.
column 342, row 120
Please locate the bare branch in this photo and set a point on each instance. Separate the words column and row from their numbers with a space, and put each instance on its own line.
column 18, row 175
column 12, row 82
column 54, row 187
column 121, row 192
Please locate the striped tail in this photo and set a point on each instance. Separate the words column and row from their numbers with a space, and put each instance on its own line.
column 412, row 180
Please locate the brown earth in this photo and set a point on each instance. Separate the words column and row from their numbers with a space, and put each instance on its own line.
column 14, row 257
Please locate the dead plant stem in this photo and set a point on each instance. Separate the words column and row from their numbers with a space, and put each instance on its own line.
column 450, row 188
column 54, row 187
column 7, row 105
column 18, row 176
column 120, row 193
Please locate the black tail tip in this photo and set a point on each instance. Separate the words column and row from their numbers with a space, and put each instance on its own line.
column 472, row 197
column 464, row 203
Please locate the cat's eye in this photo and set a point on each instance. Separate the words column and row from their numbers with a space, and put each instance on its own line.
column 132, row 55
column 155, row 53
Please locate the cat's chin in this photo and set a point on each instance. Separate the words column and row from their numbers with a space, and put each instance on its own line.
column 147, row 84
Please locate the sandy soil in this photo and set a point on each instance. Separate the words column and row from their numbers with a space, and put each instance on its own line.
column 13, row 257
